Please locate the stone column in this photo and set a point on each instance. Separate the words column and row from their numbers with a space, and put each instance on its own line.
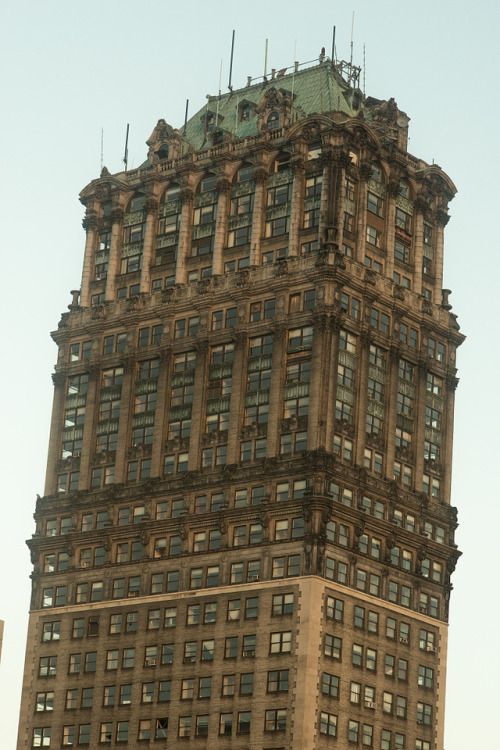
column 89, row 426
column 186, row 197
column 151, row 209
column 331, row 385
column 442, row 219
column 238, row 387
column 364, row 174
column 223, row 188
column 90, row 226
column 162, row 393
column 326, row 193
column 445, row 458
column 260, row 178
column 419, row 423
column 342, row 161
column 418, row 244
column 197, row 409
column 275, row 395
column 319, row 369
column 126, row 411
column 59, row 379
column 390, row 227
column 391, row 400
column 362, row 396
column 297, row 208
column 114, row 252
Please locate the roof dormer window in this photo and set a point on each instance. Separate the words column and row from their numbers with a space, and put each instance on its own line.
column 273, row 121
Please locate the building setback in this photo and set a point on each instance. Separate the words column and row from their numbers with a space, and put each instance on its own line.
column 246, row 538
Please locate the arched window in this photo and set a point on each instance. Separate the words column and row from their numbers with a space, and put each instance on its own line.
column 244, row 173
column 162, row 152
column 273, row 121
column 377, row 174
column 171, row 193
column 281, row 163
column 207, row 183
column 404, row 190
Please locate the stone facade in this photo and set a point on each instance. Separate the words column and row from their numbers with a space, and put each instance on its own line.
column 246, row 536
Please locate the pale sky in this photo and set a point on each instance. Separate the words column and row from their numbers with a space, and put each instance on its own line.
column 72, row 68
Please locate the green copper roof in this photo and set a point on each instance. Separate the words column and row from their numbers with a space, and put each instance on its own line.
column 316, row 89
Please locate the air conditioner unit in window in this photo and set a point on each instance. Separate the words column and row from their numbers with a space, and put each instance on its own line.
column 403, row 640
column 370, row 704
column 151, row 663
column 77, row 454
column 432, row 648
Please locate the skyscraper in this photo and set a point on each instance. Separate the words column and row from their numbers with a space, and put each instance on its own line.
column 246, row 536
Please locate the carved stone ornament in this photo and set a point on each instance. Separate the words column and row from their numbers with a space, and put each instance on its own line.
column 260, row 175
column 370, row 276
column 365, row 170
column 421, row 206
column 151, row 206
column 93, row 372
column 271, row 465
column 426, row 307
column 103, row 190
column 222, row 524
column 281, row 268
column 169, row 295
column 366, row 338
column 239, row 339
column 201, row 345
column 128, row 364
column 442, row 218
column 319, row 321
column 243, row 277
column 64, row 320
column 58, row 378
column 279, row 331
column 398, row 292
column 89, row 222
column 203, row 286
column 186, row 195
column 394, row 489
column 223, row 186
column 117, row 215
column 339, row 260
column 98, row 312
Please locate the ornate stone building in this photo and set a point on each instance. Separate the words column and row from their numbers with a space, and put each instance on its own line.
column 246, row 538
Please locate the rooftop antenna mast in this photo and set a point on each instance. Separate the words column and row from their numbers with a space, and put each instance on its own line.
column 231, row 64
column 294, row 67
column 102, row 148
column 352, row 35
column 218, row 100
column 333, row 45
column 186, row 117
column 125, row 155
column 364, row 69
column 265, row 61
